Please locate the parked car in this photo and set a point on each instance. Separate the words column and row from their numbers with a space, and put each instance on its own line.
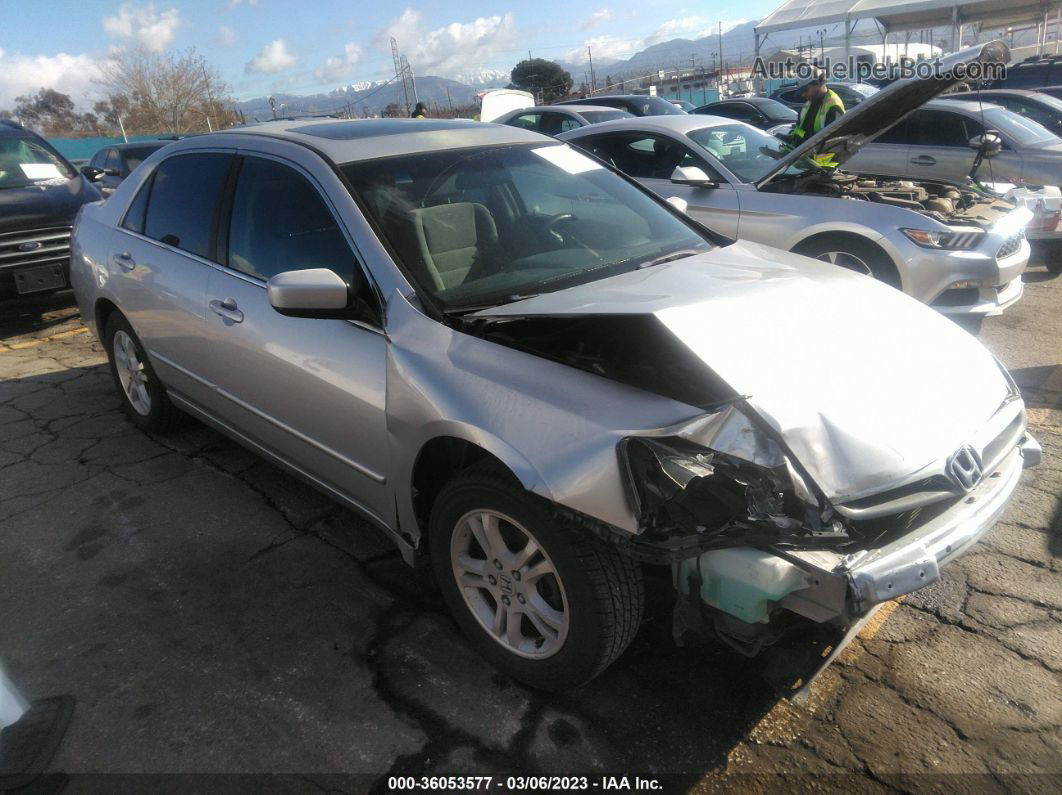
column 636, row 104
column 506, row 354
column 1041, row 108
column 40, row 192
column 767, row 114
column 683, row 104
column 959, row 249
column 934, row 143
column 555, row 119
column 851, row 94
column 1034, row 72
column 1052, row 91
column 114, row 163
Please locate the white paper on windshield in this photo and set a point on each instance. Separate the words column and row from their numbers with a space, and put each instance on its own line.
column 40, row 171
column 567, row 158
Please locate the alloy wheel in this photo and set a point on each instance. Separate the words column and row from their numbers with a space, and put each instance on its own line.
column 131, row 373
column 509, row 584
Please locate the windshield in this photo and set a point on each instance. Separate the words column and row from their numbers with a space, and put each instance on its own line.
column 25, row 162
column 491, row 225
column 865, row 89
column 1023, row 131
column 1052, row 102
column 598, row 116
column 749, row 153
column 657, row 106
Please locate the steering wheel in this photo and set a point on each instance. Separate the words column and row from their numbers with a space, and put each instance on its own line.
column 553, row 221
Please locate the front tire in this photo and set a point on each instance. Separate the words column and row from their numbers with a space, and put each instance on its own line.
column 545, row 603
column 143, row 396
column 855, row 254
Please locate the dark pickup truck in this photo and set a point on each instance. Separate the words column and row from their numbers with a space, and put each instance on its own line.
column 40, row 193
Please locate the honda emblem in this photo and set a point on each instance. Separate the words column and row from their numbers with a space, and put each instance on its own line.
column 964, row 468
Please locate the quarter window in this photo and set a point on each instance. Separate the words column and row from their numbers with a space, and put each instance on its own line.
column 281, row 223
column 113, row 161
column 183, row 202
column 134, row 216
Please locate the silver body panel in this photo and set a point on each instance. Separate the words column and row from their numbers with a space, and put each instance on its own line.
column 742, row 210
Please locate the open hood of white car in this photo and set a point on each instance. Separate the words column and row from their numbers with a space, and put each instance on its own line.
column 867, row 386
column 888, row 107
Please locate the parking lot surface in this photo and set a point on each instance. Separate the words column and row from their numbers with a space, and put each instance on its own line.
column 210, row 614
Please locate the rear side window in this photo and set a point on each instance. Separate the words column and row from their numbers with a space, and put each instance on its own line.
column 113, row 162
column 281, row 223
column 134, row 216
column 182, row 207
column 525, row 121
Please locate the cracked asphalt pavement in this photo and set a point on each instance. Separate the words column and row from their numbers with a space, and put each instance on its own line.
column 211, row 614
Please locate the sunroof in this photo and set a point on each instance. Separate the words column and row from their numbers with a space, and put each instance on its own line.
column 370, row 128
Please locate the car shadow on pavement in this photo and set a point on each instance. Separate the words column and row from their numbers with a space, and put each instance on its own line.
column 212, row 559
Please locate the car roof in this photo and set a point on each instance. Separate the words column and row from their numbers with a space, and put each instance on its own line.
column 565, row 108
column 345, row 141
column 968, row 105
column 10, row 129
column 959, row 96
column 138, row 145
column 663, row 124
column 590, row 100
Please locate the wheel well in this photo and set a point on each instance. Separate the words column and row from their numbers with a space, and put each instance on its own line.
column 438, row 461
column 104, row 310
column 889, row 274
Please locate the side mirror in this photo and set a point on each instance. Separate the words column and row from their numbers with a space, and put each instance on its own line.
column 693, row 177
column 91, row 173
column 678, row 203
column 990, row 143
column 314, row 292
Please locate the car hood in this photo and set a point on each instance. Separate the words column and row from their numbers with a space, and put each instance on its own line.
column 867, row 387
column 881, row 111
column 43, row 205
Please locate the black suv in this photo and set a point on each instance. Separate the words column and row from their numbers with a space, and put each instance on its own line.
column 40, row 193
column 638, row 104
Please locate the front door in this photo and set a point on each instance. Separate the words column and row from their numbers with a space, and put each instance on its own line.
column 311, row 392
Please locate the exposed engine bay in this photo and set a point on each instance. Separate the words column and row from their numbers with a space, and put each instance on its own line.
column 943, row 202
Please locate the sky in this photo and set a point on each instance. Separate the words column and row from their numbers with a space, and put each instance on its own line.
column 311, row 46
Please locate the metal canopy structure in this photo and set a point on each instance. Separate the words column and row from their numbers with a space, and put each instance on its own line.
column 894, row 16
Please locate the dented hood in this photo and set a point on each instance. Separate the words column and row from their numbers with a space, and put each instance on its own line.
column 888, row 107
column 867, row 386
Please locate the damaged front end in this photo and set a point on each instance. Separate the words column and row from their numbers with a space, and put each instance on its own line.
column 774, row 554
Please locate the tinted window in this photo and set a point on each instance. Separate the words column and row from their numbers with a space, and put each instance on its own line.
column 940, row 128
column 642, row 156
column 134, row 216
column 281, row 223
column 98, row 159
column 735, row 110
column 598, row 116
column 898, row 134
column 134, row 157
column 113, row 162
column 525, row 121
column 184, row 196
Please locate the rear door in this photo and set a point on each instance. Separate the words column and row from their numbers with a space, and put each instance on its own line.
column 160, row 263
column 941, row 146
column 311, row 392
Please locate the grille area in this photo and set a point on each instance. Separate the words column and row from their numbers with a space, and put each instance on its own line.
column 50, row 246
column 1010, row 245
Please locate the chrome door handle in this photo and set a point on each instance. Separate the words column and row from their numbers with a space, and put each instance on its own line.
column 125, row 261
column 227, row 309
column 923, row 160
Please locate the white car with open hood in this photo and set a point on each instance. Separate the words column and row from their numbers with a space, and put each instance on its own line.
column 545, row 380
column 952, row 245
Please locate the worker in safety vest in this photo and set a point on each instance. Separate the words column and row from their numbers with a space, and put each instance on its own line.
column 821, row 107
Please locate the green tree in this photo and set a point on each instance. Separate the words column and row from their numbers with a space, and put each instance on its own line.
column 545, row 79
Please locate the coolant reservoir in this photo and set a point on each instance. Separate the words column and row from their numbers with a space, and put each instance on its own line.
column 740, row 581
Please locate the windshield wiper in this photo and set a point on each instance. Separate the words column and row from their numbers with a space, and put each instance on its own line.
column 674, row 255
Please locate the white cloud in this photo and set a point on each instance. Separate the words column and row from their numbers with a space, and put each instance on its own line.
column 234, row 3
column 339, row 66
column 70, row 74
column 144, row 26
column 676, row 28
column 272, row 58
column 597, row 18
column 226, row 36
column 452, row 49
column 728, row 25
column 605, row 49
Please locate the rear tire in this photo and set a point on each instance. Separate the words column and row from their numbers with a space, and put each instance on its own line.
column 143, row 396
column 571, row 608
column 854, row 254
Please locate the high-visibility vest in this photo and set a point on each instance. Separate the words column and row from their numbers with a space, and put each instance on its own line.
column 830, row 101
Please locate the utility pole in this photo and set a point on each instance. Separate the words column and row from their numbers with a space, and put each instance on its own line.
column 121, row 127
column 593, row 80
column 822, row 47
column 272, row 107
column 450, row 101
column 210, row 98
column 400, row 73
column 720, row 58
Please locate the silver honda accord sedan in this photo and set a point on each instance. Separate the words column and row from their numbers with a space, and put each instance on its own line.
column 535, row 374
